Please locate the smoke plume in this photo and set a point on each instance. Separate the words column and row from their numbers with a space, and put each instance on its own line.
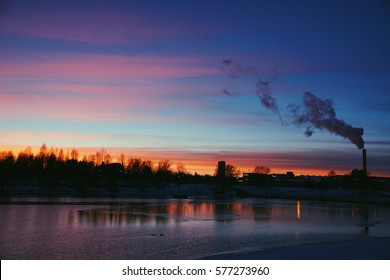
column 320, row 114
column 263, row 89
column 264, row 93
column 314, row 112
column 236, row 70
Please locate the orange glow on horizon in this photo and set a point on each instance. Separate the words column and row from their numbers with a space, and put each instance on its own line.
column 201, row 166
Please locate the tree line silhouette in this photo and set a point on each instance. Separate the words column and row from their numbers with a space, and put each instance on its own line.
column 56, row 164
column 55, row 167
column 52, row 166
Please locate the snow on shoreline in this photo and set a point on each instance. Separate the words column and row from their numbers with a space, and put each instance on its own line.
column 369, row 248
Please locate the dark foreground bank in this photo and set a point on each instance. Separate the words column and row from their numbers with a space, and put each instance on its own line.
column 371, row 248
column 197, row 191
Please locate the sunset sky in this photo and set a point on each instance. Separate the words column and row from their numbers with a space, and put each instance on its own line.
column 146, row 78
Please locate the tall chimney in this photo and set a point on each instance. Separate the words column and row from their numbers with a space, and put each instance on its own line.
column 364, row 162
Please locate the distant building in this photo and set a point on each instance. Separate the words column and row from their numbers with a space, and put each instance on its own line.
column 256, row 178
column 288, row 175
column 221, row 172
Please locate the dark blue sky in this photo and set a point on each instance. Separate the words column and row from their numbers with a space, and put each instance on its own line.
column 147, row 75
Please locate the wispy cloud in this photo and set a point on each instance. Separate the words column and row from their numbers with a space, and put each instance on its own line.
column 109, row 87
column 116, row 26
column 109, row 66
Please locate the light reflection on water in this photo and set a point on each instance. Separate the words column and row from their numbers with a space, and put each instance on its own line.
column 177, row 229
column 172, row 212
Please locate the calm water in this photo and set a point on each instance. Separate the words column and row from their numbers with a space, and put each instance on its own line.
column 177, row 229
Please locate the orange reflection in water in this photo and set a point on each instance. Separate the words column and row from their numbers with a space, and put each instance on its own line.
column 173, row 211
column 298, row 209
column 193, row 210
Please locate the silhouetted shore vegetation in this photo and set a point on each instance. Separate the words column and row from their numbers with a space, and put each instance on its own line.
column 51, row 169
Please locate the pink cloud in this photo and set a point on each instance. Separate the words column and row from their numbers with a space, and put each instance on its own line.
column 89, row 99
column 114, row 103
column 87, row 87
column 106, row 66
column 76, row 108
column 96, row 86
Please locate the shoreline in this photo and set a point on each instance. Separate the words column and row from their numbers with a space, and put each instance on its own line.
column 195, row 191
column 367, row 248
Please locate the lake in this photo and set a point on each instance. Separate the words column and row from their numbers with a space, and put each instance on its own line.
column 129, row 228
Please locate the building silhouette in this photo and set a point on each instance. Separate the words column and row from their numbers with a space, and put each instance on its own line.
column 221, row 172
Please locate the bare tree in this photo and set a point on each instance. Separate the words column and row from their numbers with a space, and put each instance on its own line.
column 42, row 157
column 61, row 156
column 262, row 170
column 92, row 158
column 134, row 166
column 43, row 151
column 122, row 159
column 232, row 171
column 102, row 157
column 164, row 166
column 181, row 169
column 74, row 154
column 147, row 168
column 99, row 157
column 107, row 158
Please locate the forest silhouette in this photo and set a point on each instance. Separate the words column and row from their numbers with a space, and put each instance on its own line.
column 51, row 168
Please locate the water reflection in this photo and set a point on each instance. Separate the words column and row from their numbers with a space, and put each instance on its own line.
column 117, row 216
column 164, row 228
column 368, row 218
column 172, row 212
column 142, row 213
column 298, row 209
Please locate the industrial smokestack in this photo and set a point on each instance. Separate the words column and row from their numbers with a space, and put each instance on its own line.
column 364, row 162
